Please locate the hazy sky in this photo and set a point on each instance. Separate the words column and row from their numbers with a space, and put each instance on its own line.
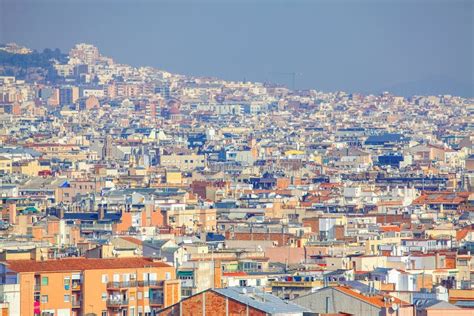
column 407, row 47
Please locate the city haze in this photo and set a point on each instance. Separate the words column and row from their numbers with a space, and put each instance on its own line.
column 408, row 47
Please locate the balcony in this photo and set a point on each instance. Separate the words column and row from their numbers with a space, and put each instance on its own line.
column 300, row 284
column 76, row 304
column 76, row 286
column 152, row 284
column 156, row 301
column 37, row 288
column 95, row 227
column 121, row 285
column 117, row 303
column 129, row 284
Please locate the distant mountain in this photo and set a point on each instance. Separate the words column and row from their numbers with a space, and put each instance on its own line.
column 20, row 65
column 34, row 59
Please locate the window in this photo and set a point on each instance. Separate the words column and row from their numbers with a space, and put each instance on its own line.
column 242, row 282
column 167, row 276
column 125, row 277
column 104, row 313
column 140, row 295
column 44, row 281
column 44, row 298
column 105, row 278
column 67, row 298
column 104, row 296
column 259, row 282
column 186, row 292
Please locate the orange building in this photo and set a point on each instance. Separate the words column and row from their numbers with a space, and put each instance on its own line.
column 145, row 218
column 79, row 286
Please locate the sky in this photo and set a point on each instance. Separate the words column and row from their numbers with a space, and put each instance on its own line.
column 368, row 46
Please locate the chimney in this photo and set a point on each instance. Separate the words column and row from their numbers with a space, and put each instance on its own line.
column 12, row 213
column 61, row 213
column 101, row 212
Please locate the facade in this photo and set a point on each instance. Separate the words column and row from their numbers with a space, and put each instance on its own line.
column 81, row 286
column 5, row 165
column 68, row 95
column 183, row 162
column 234, row 301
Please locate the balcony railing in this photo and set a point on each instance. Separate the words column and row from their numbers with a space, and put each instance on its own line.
column 129, row 284
column 112, row 302
column 121, row 285
column 156, row 300
column 96, row 227
column 151, row 283
column 76, row 286
column 76, row 303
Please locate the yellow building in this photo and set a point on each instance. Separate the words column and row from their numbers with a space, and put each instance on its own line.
column 173, row 177
column 5, row 165
column 29, row 168
column 372, row 246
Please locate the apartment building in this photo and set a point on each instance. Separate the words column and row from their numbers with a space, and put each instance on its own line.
column 80, row 286
column 5, row 165
column 183, row 162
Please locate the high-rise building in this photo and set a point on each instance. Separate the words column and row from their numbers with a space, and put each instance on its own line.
column 85, row 53
column 68, row 95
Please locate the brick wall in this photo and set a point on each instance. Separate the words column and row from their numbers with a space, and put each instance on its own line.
column 215, row 305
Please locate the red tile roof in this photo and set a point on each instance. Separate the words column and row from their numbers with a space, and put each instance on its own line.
column 461, row 234
column 390, row 228
column 81, row 264
column 377, row 300
column 133, row 240
column 235, row 274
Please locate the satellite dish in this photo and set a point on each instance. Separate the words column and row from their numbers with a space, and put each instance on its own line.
column 394, row 307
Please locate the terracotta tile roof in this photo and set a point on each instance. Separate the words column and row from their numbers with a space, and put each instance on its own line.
column 81, row 264
column 390, row 228
column 461, row 234
column 132, row 240
column 330, row 185
column 376, row 300
column 390, row 203
column 234, row 274
column 442, row 197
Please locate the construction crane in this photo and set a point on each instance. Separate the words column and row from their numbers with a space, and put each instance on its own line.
column 292, row 75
